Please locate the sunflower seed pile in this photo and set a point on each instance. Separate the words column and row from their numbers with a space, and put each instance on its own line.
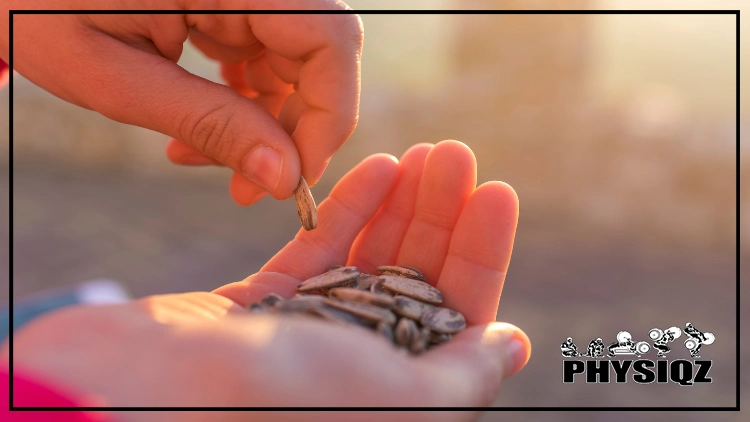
column 396, row 304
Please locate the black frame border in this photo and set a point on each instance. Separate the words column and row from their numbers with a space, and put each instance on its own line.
column 385, row 12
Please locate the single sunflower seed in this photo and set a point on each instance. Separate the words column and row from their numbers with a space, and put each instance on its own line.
column 405, row 331
column 333, row 278
column 401, row 271
column 257, row 308
column 440, row 338
column 301, row 303
column 410, row 308
column 306, row 208
column 340, row 316
column 355, row 295
column 377, row 288
column 386, row 330
column 364, row 281
column 413, row 288
column 368, row 312
column 443, row 320
column 271, row 300
column 420, row 340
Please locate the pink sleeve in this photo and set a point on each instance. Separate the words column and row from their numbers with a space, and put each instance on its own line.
column 4, row 73
column 31, row 392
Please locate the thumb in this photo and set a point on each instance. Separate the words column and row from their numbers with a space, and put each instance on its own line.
column 157, row 94
column 468, row 370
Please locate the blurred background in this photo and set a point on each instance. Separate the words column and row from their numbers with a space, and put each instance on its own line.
column 617, row 131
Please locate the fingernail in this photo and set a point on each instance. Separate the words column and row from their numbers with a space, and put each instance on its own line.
column 516, row 357
column 263, row 165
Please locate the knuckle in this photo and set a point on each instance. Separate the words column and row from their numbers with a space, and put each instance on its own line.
column 208, row 131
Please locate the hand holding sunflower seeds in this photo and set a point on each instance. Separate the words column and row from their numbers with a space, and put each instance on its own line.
column 398, row 305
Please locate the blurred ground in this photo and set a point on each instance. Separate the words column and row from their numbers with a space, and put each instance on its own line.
column 617, row 132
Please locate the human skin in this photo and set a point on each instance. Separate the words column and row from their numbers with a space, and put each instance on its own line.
column 204, row 349
column 291, row 102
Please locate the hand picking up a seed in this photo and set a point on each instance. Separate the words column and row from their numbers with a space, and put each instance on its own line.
column 208, row 349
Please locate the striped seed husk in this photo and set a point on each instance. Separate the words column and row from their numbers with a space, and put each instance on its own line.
column 339, row 316
column 413, row 288
column 386, row 330
column 333, row 278
column 410, row 308
column 401, row 271
column 257, row 308
column 364, row 281
column 355, row 295
column 405, row 330
column 443, row 320
column 420, row 340
column 368, row 312
column 440, row 338
column 377, row 288
column 271, row 300
column 306, row 209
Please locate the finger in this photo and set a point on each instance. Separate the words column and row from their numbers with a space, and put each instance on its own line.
column 329, row 47
column 230, row 54
column 271, row 90
column 187, row 308
column 234, row 75
column 479, row 252
column 447, row 181
column 246, row 70
column 291, row 112
column 350, row 206
column 286, row 70
column 468, row 370
column 213, row 118
column 257, row 286
column 379, row 242
column 179, row 152
column 352, row 203
column 245, row 192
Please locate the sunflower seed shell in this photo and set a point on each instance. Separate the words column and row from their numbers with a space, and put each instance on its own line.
column 333, row 278
column 443, row 320
column 405, row 330
column 413, row 288
column 401, row 271
column 368, row 312
column 410, row 308
column 306, row 209
column 369, row 298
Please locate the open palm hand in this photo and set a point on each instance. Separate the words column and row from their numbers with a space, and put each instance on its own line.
column 203, row 349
